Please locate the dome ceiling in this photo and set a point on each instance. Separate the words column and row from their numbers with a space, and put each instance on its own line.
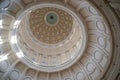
column 50, row 25
column 56, row 40
column 51, row 53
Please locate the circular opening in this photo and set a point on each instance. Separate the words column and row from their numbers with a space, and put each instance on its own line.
column 51, row 18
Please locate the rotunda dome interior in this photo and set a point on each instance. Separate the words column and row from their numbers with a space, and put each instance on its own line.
column 59, row 40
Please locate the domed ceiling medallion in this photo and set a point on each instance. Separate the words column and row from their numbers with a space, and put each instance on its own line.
column 51, row 18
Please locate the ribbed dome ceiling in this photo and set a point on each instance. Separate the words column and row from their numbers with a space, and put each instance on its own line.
column 50, row 25
column 56, row 40
column 55, row 46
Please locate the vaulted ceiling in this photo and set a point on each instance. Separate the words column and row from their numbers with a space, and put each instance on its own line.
column 59, row 39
